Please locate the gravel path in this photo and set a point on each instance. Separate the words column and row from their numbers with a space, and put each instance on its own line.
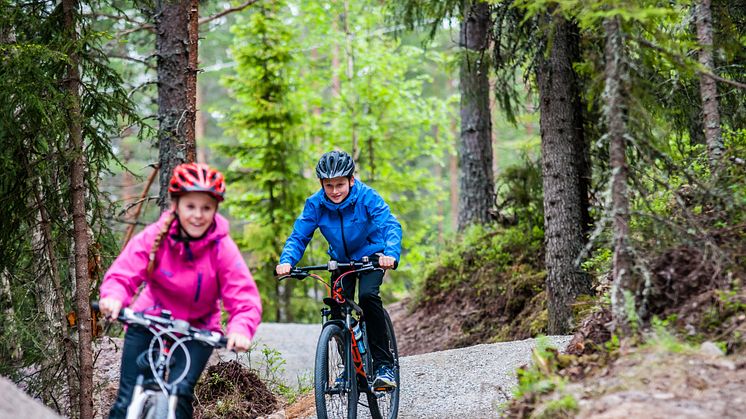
column 469, row 382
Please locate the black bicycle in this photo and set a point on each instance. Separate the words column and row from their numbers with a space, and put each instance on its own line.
column 345, row 343
column 156, row 398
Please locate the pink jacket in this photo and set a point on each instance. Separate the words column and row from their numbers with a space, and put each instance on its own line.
column 189, row 280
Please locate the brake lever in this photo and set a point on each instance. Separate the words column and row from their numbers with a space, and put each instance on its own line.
column 297, row 274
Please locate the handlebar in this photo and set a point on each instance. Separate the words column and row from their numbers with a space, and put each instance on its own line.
column 357, row 265
column 166, row 322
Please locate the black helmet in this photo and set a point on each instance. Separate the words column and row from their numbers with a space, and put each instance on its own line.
column 335, row 164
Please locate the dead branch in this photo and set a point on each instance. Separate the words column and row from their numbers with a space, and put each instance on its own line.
column 136, row 215
column 227, row 11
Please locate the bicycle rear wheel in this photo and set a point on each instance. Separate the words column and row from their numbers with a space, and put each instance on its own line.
column 334, row 400
column 385, row 404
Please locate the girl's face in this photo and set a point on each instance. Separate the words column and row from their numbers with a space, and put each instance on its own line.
column 337, row 188
column 196, row 212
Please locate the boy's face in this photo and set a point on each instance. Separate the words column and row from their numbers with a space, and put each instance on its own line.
column 337, row 189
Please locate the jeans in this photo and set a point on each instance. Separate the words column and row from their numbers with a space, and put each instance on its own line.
column 369, row 300
column 136, row 341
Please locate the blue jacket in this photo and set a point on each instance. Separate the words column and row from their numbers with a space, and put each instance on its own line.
column 361, row 225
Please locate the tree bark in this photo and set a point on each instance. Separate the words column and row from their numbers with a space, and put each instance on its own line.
column 199, row 128
column 10, row 334
column 563, row 158
column 177, row 34
column 51, row 297
column 623, row 286
column 707, row 85
column 477, row 193
column 453, row 178
column 80, row 224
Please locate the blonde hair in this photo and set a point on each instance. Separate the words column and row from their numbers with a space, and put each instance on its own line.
column 159, row 239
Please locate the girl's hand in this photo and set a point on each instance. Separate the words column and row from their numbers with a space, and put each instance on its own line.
column 110, row 307
column 386, row 262
column 238, row 342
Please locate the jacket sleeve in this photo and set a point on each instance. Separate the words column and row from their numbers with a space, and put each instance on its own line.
column 302, row 233
column 238, row 290
column 129, row 269
column 382, row 217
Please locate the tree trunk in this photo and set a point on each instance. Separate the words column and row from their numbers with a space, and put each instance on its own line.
column 623, row 286
column 51, row 299
column 199, row 128
column 562, row 160
column 453, row 179
column 80, row 225
column 477, row 193
column 177, row 34
column 10, row 334
column 707, row 85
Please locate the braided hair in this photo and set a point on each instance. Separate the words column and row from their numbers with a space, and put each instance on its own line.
column 159, row 239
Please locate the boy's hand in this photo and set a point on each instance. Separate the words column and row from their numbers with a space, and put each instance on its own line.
column 386, row 262
column 110, row 307
column 283, row 269
column 238, row 342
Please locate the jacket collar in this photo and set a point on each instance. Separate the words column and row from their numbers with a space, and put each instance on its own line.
column 218, row 230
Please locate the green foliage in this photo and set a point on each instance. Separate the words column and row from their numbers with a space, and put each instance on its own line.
column 265, row 176
column 35, row 159
column 564, row 407
column 520, row 193
column 663, row 337
column 538, row 377
column 311, row 79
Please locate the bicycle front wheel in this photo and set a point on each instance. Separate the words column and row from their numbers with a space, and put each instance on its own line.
column 156, row 407
column 336, row 393
column 384, row 404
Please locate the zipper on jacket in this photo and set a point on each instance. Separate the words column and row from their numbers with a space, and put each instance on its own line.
column 199, row 285
column 342, row 226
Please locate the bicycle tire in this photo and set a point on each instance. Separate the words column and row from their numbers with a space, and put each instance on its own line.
column 332, row 400
column 156, row 407
column 385, row 405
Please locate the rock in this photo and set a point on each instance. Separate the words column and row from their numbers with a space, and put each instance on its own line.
column 14, row 403
column 709, row 348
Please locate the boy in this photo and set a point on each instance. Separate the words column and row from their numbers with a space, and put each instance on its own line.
column 356, row 222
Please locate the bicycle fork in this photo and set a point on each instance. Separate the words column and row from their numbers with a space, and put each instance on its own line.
column 138, row 399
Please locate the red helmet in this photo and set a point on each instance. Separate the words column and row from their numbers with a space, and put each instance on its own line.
column 197, row 177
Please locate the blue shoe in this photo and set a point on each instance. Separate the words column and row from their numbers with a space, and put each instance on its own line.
column 340, row 380
column 384, row 378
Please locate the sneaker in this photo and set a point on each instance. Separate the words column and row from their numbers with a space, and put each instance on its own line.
column 384, row 378
column 341, row 379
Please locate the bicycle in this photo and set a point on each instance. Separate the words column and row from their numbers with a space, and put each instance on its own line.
column 155, row 398
column 337, row 389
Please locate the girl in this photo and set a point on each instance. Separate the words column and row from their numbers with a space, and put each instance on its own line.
column 189, row 262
